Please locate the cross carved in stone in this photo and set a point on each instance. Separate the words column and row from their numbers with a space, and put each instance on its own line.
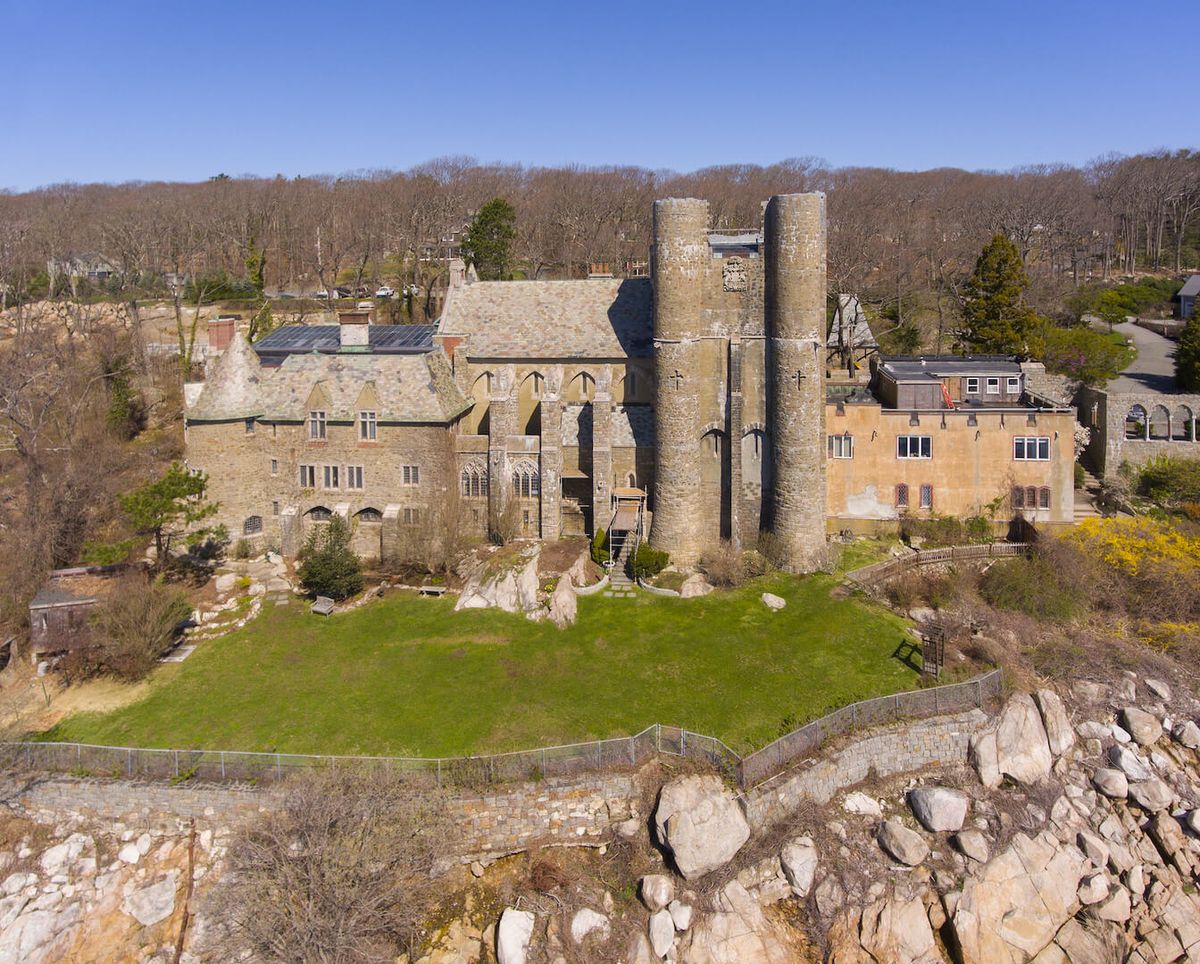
column 677, row 378
column 798, row 378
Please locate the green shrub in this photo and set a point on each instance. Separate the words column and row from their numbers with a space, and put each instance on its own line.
column 329, row 566
column 935, row 530
column 600, row 553
column 648, row 562
column 241, row 549
column 1084, row 355
column 1033, row 586
column 1170, row 481
column 978, row 528
column 107, row 553
column 1080, row 476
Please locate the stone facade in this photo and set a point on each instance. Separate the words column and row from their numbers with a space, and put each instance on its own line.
column 1135, row 427
column 699, row 393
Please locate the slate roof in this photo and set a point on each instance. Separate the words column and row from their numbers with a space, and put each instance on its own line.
column 1191, row 287
column 597, row 318
column 49, row 597
column 850, row 325
column 408, row 388
column 383, row 339
column 918, row 369
column 232, row 387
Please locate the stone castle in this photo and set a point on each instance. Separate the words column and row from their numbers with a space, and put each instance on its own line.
column 684, row 408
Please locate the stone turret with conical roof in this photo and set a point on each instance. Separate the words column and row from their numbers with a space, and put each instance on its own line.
column 231, row 390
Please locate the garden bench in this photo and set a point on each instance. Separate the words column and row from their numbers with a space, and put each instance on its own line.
column 323, row 606
column 432, row 591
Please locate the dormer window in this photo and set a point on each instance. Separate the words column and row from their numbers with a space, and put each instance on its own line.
column 316, row 426
column 368, row 426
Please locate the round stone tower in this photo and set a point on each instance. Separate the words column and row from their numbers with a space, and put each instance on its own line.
column 681, row 253
column 794, row 301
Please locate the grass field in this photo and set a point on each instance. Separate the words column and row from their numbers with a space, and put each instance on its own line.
column 408, row 676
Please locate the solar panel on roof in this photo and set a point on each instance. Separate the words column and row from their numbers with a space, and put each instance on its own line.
column 383, row 338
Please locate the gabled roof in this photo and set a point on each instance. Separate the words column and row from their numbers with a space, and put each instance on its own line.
column 231, row 390
column 850, row 327
column 409, row 388
column 1191, row 287
column 597, row 318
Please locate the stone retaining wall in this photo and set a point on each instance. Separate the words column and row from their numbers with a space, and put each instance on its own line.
column 936, row 742
column 556, row 811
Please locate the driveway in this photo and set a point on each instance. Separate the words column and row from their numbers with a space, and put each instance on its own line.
column 1154, row 367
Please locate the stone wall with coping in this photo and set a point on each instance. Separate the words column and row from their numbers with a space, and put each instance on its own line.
column 555, row 811
column 937, row 742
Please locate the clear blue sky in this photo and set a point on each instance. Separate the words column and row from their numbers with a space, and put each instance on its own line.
column 177, row 90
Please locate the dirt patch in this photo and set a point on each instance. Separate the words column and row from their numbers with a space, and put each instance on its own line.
column 33, row 704
column 558, row 557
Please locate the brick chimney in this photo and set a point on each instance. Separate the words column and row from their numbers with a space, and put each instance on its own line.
column 354, row 325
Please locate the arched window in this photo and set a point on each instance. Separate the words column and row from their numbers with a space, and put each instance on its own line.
column 534, row 384
column 582, row 388
column 710, row 444
column 1044, row 497
column 1160, row 423
column 754, row 457
column 1183, row 427
column 252, row 526
column 318, row 513
column 474, row 479
column 631, row 481
column 1137, row 424
column 368, row 515
column 525, row 480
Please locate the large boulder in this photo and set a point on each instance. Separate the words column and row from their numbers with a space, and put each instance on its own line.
column 657, row 890
column 1015, row 745
column 1060, row 735
column 1011, row 908
column 939, row 809
column 693, row 586
column 1151, row 795
column 901, row 844
column 563, row 604
column 771, row 601
column 512, row 936
column 1112, row 783
column 154, row 903
column 662, row 932
column 700, row 823
column 1144, row 728
column 587, row 922
column 510, row 585
column 799, row 859
column 1187, row 733
column 738, row 933
column 898, row 931
column 1129, row 763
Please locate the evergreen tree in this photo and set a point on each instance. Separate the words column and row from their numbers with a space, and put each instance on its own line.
column 488, row 242
column 176, row 501
column 1187, row 356
column 328, row 565
column 256, row 266
column 995, row 318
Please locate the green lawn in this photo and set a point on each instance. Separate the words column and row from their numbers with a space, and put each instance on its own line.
column 407, row 676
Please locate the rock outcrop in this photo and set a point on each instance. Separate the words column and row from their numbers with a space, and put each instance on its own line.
column 510, row 585
column 563, row 604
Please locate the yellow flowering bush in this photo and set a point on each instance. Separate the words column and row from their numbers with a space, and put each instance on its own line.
column 1137, row 546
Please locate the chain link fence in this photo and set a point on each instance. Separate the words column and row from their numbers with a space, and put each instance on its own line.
column 934, row 701
column 223, row 766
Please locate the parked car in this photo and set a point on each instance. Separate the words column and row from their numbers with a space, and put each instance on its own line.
column 323, row 294
column 384, row 291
